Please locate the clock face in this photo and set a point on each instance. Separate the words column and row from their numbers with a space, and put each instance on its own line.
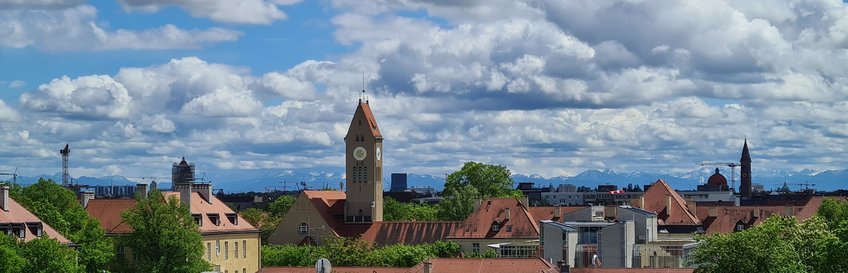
column 359, row 153
column 378, row 154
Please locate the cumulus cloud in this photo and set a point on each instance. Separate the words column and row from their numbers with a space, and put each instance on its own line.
column 243, row 12
column 77, row 29
column 95, row 97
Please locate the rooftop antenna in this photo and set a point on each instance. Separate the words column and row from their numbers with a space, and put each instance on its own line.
column 363, row 86
column 65, row 153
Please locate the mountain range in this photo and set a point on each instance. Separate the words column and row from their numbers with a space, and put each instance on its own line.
column 275, row 179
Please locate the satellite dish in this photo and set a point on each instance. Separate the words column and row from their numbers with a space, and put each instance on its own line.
column 322, row 266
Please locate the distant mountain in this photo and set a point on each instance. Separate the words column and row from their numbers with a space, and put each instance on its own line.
column 270, row 179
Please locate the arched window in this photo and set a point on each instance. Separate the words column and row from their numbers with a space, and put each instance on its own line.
column 303, row 228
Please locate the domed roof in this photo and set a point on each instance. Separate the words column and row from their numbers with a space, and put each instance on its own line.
column 717, row 180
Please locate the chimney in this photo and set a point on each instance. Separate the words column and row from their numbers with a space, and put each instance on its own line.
column 85, row 197
column 558, row 212
column 525, row 201
column 141, row 189
column 428, row 266
column 477, row 203
column 690, row 205
column 205, row 190
column 506, row 210
column 641, row 204
column 712, row 212
column 668, row 201
column 185, row 193
column 4, row 197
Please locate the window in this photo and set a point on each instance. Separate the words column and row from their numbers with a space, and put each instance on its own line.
column 208, row 251
column 233, row 218
column 740, row 227
column 198, row 219
column 235, row 254
column 475, row 247
column 243, row 270
column 303, row 228
column 244, row 248
column 226, row 250
column 508, row 228
column 496, row 226
column 217, row 247
column 213, row 217
column 121, row 252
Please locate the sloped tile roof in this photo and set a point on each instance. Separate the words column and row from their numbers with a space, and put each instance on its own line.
column 520, row 223
column 656, row 200
column 408, row 233
column 108, row 211
column 549, row 212
column 372, row 122
column 16, row 213
column 726, row 217
column 441, row 265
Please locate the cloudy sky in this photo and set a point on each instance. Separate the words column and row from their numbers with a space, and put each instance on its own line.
column 549, row 87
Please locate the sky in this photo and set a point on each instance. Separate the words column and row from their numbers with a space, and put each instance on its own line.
column 545, row 87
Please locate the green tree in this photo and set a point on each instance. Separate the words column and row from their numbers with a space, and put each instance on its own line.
column 264, row 221
column 351, row 252
column 10, row 260
column 474, row 181
column 397, row 211
column 48, row 256
column 165, row 237
column 58, row 207
column 281, row 205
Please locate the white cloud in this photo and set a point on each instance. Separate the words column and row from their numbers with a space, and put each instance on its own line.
column 77, row 29
column 97, row 97
column 242, row 11
column 39, row 4
column 17, row 84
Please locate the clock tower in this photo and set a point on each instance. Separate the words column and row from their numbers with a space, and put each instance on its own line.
column 363, row 168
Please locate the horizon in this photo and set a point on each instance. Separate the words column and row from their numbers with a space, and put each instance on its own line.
column 539, row 87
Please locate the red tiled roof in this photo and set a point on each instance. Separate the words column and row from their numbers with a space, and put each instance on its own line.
column 339, row 269
column 408, row 233
column 512, row 265
column 520, row 224
column 372, row 122
column 440, row 265
column 634, row 270
column 108, row 211
column 15, row 213
column 656, row 200
column 726, row 217
column 547, row 213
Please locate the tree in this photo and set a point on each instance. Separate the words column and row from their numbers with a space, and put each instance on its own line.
column 397, row 211
column 48, row 255
column 165, row 237
column 10, row 260
column 352, row 252
column 264, row 221
column 281, row 205
column 58, row 207
column 474, row 181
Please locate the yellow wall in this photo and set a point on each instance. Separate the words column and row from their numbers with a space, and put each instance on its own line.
column 302, row 211
column 229, row 262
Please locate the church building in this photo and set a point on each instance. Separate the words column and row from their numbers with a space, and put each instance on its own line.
column 358, row 211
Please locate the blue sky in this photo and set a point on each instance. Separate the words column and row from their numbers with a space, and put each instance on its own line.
column 543, row 87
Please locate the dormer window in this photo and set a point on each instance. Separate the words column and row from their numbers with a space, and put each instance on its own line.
column 496, row 226
column 739, row 226
column 214, row 218
column 35, row 228
column 197, row 219
column 303, row 228
column 233, row 218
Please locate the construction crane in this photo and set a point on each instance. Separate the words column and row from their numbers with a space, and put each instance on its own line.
column 732, row 166
column 65, row 153
column 13, row 174
column 806, row 185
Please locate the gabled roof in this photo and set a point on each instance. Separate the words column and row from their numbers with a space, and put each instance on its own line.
column 408, row 233
column 726, row 217
column 108, row 211
column 519, row 224
column 656, row 200
column 16, row 213
column 369, row 116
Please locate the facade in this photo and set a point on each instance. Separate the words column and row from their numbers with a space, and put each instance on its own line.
column 230, row 243
column 114, row 191
column 363, row 168
column 19, row 222
column 575, row 198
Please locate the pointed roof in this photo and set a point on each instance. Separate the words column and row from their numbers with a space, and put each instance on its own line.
column 369, row 116
column 514, row 218
column 656, row 199
column 746, row 157
column 15, row 213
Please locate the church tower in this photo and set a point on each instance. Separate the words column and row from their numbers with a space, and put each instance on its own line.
column 363, row 168
column 745, row 188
